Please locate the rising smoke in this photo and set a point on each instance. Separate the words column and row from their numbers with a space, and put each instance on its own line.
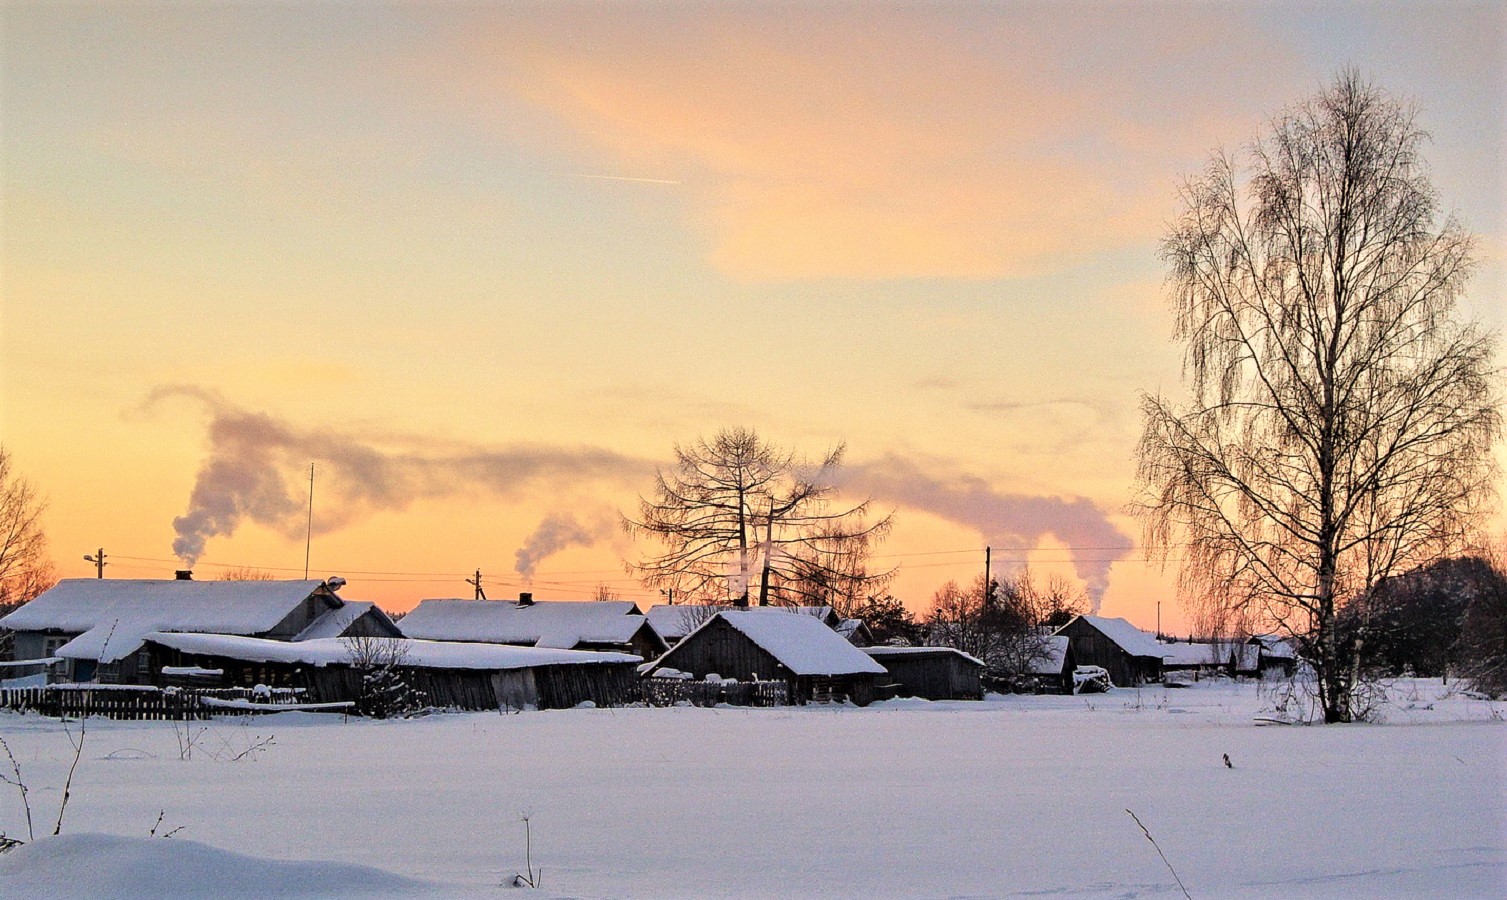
column 252, row 473
column 256, row 472
column 556, row 532
column 1002, row 519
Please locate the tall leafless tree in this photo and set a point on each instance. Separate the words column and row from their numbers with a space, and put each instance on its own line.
column 25, row 567
column 1342, row 414
column 1023, row 609
column 738, row 516
column 961, row 618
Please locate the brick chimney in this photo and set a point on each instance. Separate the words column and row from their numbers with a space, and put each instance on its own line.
column 184, row 574
column 525, row 598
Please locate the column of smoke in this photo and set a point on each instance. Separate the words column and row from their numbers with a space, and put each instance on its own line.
column 257, row 467
column 555, row 532
column 1003, row 520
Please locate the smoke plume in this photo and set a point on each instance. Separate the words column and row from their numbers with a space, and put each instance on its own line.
column 252, row 473
column 1002, row 519
column 556, row 532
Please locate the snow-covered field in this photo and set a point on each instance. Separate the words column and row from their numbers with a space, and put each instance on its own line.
column 1012, row 796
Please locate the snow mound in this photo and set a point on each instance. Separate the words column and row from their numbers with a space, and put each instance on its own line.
column 102, row 865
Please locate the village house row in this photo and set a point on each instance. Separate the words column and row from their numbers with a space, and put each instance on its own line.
column 489, row 654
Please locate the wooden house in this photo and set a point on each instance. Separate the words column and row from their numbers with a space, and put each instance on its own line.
column 448, row 674
column 617, row 626
column 768, row 645
column 99, row 626
column 933, row 673
column 1130, row 655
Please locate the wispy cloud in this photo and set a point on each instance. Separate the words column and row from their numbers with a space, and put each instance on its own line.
column 888, row 142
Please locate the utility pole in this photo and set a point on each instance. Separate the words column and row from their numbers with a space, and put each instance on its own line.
column 476, row 583
column 988, row 552
column 99, row 562
column 1158, row 619
column 308, row 535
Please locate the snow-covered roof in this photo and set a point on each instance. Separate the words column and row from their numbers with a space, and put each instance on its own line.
column 849, row 627
column 802, row 644
column 1052, row 657
column 1201, row 653
column 883, row 653
column 1272, row 645
column 1130, row 638
column 332, row 623
column 675, row 622
column 422, row 654
column 560, row 624
column 113, row 615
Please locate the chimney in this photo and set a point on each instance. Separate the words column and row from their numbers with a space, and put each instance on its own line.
column 184, row 574
column 525, row 598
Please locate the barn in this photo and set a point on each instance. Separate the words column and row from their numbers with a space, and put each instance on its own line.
column 617, row 626
column 816, row 662
column 1130, row 655
column 933, row 673
column 448, row 674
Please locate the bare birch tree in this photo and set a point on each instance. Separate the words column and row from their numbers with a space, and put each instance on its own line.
column 1342, row 415
column 25, row 567
column 739, row 517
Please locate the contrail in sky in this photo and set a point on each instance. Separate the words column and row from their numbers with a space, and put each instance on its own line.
column 621, row 178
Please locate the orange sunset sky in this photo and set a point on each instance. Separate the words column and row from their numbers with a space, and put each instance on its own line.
column 483, row 264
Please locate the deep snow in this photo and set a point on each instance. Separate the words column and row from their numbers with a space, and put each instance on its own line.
column 1012, row 796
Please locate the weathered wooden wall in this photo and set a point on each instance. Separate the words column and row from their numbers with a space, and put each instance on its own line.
column 940, row 676
column 1091, row 647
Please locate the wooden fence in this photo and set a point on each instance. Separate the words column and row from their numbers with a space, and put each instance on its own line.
column 673, row 691
column 134, row 703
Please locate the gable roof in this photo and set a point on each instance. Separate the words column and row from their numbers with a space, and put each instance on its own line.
column 115, row 614
column 421, row 654
column 1052, row 658
column 1274, row 646
column 1202, row 653
column 883, row 653
column 802, row 644
column 1128, row 637
column 560, row 624
column 332, row 623
column 673, row 622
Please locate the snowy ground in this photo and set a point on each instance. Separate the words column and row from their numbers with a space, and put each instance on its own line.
column 1020, row 796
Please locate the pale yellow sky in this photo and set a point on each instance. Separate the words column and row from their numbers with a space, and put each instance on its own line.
column 484, row 264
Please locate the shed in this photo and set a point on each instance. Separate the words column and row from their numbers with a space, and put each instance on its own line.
column 935, row 673
column 447, row 673
column 769, row 645
column 100, row 625
column 609, row 625
column 1130, row 655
